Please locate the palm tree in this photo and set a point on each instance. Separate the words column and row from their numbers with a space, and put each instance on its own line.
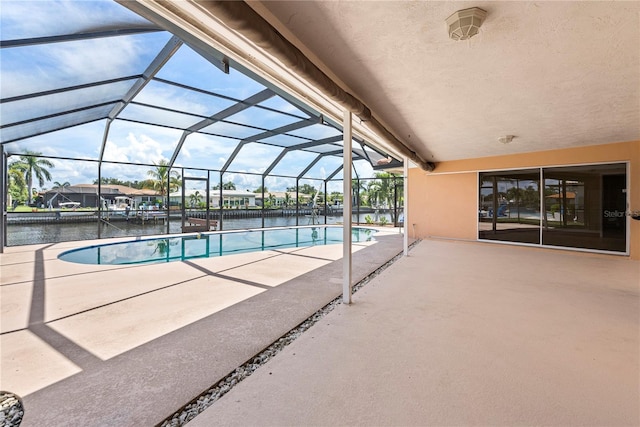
column 17, row 184
column 195, row 199
column 33, row 165
column 375, row 193
column 287, row 200
column 261, row 189
column 359, row 191
column 229, row 185
column 61, row 184
column 162, row 246
column 158, row 178
column 175, row 182
column 380, row 191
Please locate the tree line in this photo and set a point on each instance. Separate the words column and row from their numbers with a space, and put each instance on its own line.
column 32, row 167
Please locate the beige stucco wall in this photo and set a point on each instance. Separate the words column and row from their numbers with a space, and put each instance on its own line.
column 443, row 203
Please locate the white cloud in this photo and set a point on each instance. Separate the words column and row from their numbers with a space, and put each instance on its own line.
column 106, row 57
column 334, row 186
column 45, row 67
column 185, row 152
column 172, row 97
column 138, row 149
column 203, row 151
column 254, row 157
column 364, row 169
column 74, row 172
column 244, row 182
column 39, row 20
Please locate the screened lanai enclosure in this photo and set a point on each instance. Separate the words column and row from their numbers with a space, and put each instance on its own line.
column 113, row 126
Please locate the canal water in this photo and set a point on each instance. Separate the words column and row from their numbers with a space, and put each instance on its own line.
column 28, row 234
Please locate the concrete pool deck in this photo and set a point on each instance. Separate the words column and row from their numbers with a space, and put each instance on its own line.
column 130, row 345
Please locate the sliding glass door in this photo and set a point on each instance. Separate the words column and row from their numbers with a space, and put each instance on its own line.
column 510, row 206
column 585, row 207
column 575, row 206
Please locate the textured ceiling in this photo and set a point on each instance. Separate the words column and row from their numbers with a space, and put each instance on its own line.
column 554, row 74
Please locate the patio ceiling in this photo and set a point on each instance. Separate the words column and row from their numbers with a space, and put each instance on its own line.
column 105, row 76
column 553, row 74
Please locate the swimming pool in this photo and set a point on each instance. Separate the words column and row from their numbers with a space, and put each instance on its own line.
column 205, row 245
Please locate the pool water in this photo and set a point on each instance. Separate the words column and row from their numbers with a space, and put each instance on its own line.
column 207, row 245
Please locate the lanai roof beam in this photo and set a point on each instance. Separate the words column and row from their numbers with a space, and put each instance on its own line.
column 50, row 116
column 67, row 89
column 158, row 62
column 78, row 36
column 300, row 147
column 276, row 161
column 232, row 157
column 283, row 129
column 234, row 109
column 329, row 140
column 310, row 165
column 334, row 173
column 316, row 160
column 219, row 61
column 266, row 134
column 365, row 152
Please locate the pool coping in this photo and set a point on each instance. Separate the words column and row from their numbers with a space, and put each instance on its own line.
column 199, row 235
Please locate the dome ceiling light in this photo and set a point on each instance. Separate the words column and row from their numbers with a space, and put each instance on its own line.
column 465, row 23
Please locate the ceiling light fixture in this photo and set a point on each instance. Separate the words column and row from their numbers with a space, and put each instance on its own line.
column 506, row 139
column 465, row 23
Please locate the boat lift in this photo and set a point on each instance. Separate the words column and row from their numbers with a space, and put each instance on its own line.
column 68, row 203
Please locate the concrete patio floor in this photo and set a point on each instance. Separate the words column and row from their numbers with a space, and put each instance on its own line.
column 458, row 333
column 462, row 334
column 129, row 345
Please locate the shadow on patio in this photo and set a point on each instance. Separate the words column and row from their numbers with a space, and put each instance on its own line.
column 462, row 334
column 130, row 345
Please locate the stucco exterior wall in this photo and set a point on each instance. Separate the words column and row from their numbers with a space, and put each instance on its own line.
column 443, row 203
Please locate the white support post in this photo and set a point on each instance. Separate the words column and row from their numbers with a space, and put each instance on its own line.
column 346, row 212
column 405, row 196
column 4, row 189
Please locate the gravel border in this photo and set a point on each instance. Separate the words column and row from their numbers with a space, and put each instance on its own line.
column 12, row 410
column 222, row 387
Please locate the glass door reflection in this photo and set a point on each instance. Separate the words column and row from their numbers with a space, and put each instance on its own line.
column 585, row 207
column 509, row 208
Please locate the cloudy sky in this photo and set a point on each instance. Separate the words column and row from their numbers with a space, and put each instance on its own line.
column 45, row 67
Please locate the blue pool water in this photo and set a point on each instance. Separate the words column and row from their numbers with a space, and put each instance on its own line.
column 206, row 245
